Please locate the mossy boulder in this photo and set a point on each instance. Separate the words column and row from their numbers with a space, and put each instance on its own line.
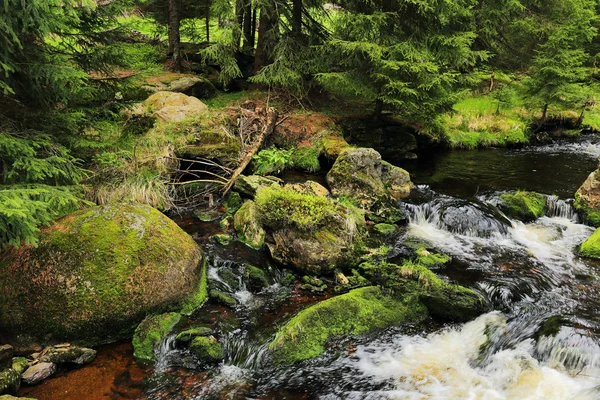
column 372, row 184
column 222, row 238
column 385, row 229
column 591, row 247
column 248, row 225
column 309, row 187
column 207, row 348
column 96, row 274
column 429, row 259
column 209, row 142
column 152, row 332
column 223, row 298
column 10, row 381
column 232, row 202
column 334, row 145
column 313, row 233
column 256, row 279
column 357, row 312
column 248, row 185
column 587, row 199
column 20, row 364
column 173, row 107
column 63, row 354
column 524, row 206
column 189, row 334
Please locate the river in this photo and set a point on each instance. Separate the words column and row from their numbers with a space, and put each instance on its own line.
column 539, row 342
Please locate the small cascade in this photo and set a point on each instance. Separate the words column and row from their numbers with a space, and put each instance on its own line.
column 242, row 352
column 558, row 208
column 162, row 354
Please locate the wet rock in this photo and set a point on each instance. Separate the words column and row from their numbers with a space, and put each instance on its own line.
column 105, row 268
column 10, row 381
column 374, row 185
column 207, row 348
column 6, row 353
column 429, row 259
column 248, row 185
column 524, row 206
column 38, row 372
column 313, row 284
column 230, row 278
column 223, row 298
column 226, row 222
column 587, row 199
column 173, row 107
column 68, row 354
column 256, row 278
column 9, row 397
column 222, row 238
column 194, row 86
column 334, row 145
column 152, row 332
column 232, row 202
column 248, row 226
column 189, row 334
column 312, row 233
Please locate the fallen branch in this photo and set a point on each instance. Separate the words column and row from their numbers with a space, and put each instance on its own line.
column 266, row 131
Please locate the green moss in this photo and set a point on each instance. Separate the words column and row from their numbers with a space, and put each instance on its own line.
column 189, row 334
column 427, row 258
column 525, row 206
column 248, row 225
column 551, row 326
column 226, row 222
column 306, row 159
column 256, row 278
column 150, row 333
column 222, row 238
column 385, row 229
column 19, row 364
column 223, row 298
column 105, row 268
column 208, row 349
column 10, row 381
column 232, row 202
column 199, row 296
column 356, row 312
column 334, row 145
column 284, row 207
column 591, row 247
column 590, row 215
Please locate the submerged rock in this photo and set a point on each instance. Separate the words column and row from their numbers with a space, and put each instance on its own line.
column 152, row 332
column 524, row 206
column 96, row 274
column 38, row 372
column 587, row 199
column 10, row 381
column 248, row 225
column 68, row 354
column 189, row 334
column 374, row 185
column 312, row 233
column 591, row 247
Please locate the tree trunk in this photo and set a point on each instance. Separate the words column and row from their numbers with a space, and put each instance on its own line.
column 543, row 119
column 174, row 36
column 253, row 31
column 378, row 109
column 239, row 17
column 207, row 21
column 248, row 43
column 297, row 17
column 265, row 27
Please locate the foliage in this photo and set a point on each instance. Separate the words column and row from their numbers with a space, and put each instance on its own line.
column 271, row 161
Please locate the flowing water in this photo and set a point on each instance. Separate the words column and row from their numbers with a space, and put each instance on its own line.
column 539, row 340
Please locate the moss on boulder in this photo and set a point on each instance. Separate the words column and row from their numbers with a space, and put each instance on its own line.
column 587, row 199
column 207, row 348
column 524, row 206
column 312, row 233
column 173, row 107
column 248, row 225
column 256, row 278
column 356, row 312
column 429, row 259
column 10, row 381
column 374, row 185
column 190, row 333
column 384, row 229
column 20, row 364
column 96, row 274
column 150, row 333
column 334, row 145
column 591, row 247
column 248, row 185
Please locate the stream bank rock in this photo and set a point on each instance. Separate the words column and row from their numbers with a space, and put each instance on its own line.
column 524, row 206
column 194, row 86
column 407, row 293
column 591, row 247
column 373, row 184
column 38, row 372
column 96, row 274
column 151, row 333
column 587, row 199
column 173, row 107
column 312, row 233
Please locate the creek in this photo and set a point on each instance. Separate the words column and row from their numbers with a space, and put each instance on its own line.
column 539, row 341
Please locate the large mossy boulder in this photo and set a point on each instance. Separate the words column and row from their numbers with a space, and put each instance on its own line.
column 374, row 185
column 406, row 293
column 195, row 86
column 587, row 199
column 173, row 107
column 96, row 274
column 248, row 225
column 313, row 233
column 524, row 206
column 151, row 333
column 591, row 247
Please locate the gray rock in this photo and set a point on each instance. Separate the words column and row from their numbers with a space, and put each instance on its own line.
column 194, row 86
column 6, row 353
column 38, row 373
column 68, row 354
column 248, row 185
